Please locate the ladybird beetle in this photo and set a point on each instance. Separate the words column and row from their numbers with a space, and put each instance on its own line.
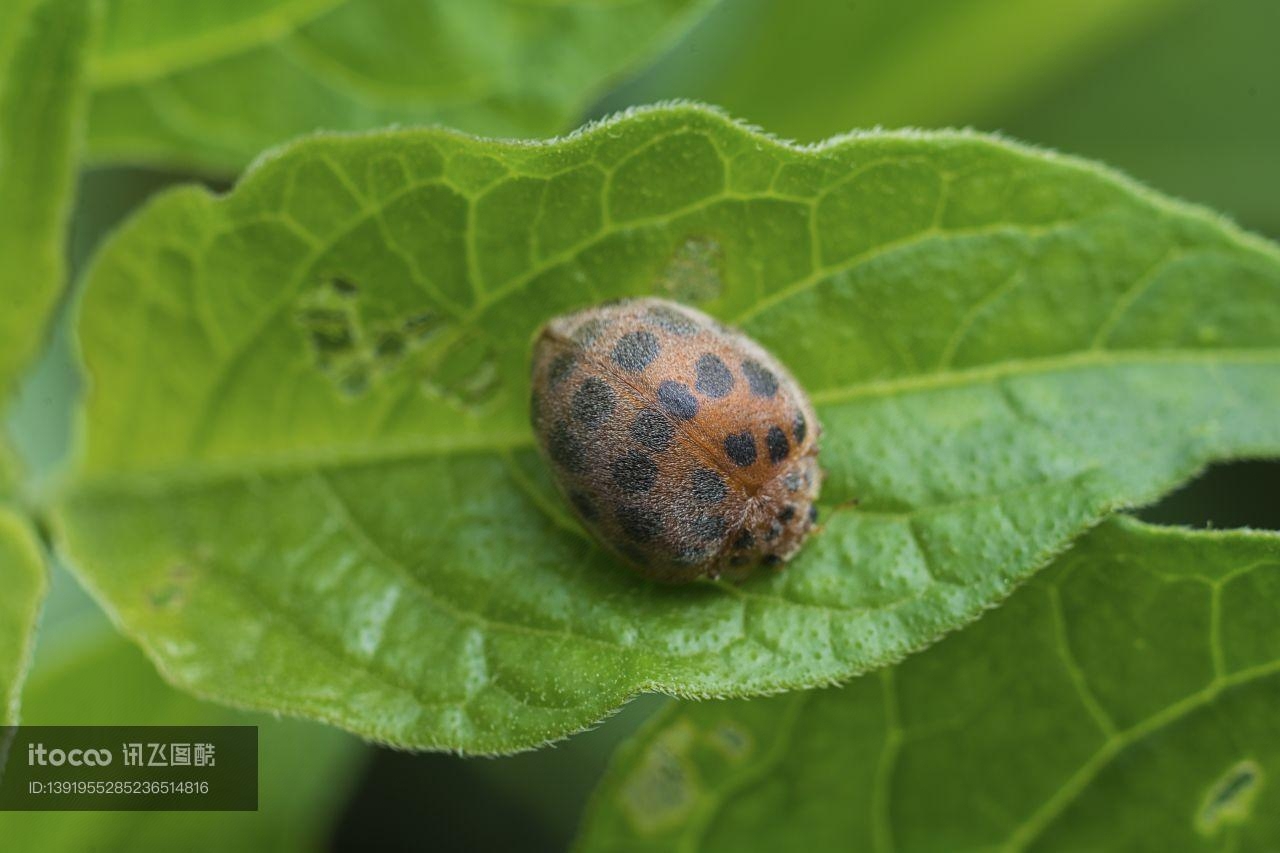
column 683, row 445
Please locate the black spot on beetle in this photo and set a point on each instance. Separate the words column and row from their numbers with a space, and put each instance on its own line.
column 635, row 473
column 762, row 381
column 779, row 447
column 707, row 486
column 800, row 428
column 652, row 429
column 788, row 513
column 560, row 367
column 635, row 351
column 771, row 559
column 638, row 524
column 593, row 402
column 691, row 556
column 714, row 379
column 585, row 507
column 671, row 320
column 743, row 540
column 566, row 451
column 813, row 513
column 678, row 400
column 589, row 330
column 709, row 527
column 741, row 448
column 775, row 530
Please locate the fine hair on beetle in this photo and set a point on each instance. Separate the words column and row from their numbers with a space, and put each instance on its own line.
column 684, row 446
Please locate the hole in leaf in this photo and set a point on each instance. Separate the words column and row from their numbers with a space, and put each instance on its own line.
column 663, row 789
column 331, row 330
column 355, row 345
column 734, row 742
column 1229, row 800
column 355, row 380
column 344, row 286
column 390, row 345
column 421, row 326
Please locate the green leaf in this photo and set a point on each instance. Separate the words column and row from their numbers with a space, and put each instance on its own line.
column 23, row 580
column 43, row 54
column 1188, row 107
column 43, row 49
column 97, row 678
column 8, row 468
column 1124, row 699
column 210, row 86
column 806, row 69
column 309, row 482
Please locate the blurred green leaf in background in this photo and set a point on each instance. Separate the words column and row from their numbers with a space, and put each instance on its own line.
column 1124, row 699
column 43, row 54
column 22, row 578
column 810, row 69
column 1192, row 107
column 209, row 86
column 1183, row 94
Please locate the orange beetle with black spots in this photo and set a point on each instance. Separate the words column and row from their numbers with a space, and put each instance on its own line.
column 683, row 445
